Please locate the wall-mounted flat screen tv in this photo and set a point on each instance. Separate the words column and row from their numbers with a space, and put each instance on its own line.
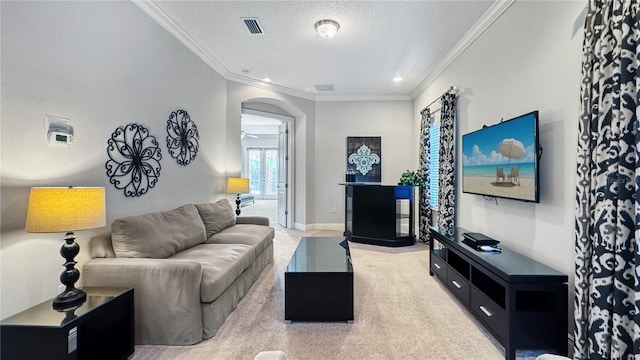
column 502, row 160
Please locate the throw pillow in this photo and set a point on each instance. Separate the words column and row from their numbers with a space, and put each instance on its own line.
column 216, row 216
column 157, row 235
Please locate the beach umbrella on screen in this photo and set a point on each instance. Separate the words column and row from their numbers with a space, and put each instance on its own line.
column 511, row 148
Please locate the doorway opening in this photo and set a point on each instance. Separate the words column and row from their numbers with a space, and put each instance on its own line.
column 265, row 161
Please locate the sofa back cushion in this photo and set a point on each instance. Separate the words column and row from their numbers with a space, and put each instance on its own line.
column 100, row 246
column 216, row 216
column 157, row 235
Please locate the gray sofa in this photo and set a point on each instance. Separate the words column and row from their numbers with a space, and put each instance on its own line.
column 189, row 267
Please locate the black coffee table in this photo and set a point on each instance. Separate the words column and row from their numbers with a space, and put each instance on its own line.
column 318, row 282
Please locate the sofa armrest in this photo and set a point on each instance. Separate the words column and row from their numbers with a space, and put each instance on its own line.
column 256, row 220
column 166, row 295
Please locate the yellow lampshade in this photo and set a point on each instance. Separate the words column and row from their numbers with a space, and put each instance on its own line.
column 60, row 209
column 237, row 185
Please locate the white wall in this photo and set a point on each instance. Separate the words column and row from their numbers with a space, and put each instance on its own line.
column 335, row 121
column 263, row 140
column 529, row 59
column 102, row 64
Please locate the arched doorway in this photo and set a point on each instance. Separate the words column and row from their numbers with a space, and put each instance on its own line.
column 264, row 141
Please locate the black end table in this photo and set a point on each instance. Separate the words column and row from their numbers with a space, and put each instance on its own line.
column 318, row 282
column 102, row 328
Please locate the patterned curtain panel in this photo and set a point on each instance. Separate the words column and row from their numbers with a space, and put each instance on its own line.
column 425, row 143
column 607, row 278
column 447, row 167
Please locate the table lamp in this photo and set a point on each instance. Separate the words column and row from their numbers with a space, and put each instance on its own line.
column 237, row 186
column 60, row 209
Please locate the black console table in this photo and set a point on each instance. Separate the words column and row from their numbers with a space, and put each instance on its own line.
column 100, row 329
column 379, row 214
column 522, row 302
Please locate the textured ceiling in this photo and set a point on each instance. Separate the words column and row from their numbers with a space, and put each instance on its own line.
column 377, row 40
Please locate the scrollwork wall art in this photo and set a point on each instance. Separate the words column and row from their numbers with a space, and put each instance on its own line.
column 182, row 137
column 364, row 156
column 134, row 160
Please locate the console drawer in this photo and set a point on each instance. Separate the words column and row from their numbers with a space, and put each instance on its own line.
column 438, row 267
column 490, row 313
column 458, row 285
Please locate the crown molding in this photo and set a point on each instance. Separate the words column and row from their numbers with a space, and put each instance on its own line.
column 178, row 32
column 269, row 86
column 159, row 16
column 174, row 29
column 494, row 12
column 372, row 97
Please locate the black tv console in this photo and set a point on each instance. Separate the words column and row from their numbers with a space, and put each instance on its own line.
column 522, row 302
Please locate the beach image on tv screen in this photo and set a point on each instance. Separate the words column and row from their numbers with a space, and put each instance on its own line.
column 500, row 160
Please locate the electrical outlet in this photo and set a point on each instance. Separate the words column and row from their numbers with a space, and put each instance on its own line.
column 61, row 288
column 334, row 210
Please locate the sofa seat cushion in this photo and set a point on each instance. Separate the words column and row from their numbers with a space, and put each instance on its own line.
column 157, row 235
column 221, row 265
column 258, row 236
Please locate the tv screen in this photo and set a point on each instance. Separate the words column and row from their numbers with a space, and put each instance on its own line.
column 501, row 160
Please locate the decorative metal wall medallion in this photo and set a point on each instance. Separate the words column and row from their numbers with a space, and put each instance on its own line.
column 134, row 159
column 182, row 137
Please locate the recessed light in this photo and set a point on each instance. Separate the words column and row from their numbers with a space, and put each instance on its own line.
column 398, row 78
column 267, row 80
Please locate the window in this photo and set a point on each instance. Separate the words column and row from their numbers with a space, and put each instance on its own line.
column 434, row 157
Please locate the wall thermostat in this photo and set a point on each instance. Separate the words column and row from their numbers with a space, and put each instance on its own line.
column 59, row 130
column 59, row 138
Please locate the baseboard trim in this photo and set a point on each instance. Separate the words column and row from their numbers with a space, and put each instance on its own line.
column 325, row 226
column 320, row 226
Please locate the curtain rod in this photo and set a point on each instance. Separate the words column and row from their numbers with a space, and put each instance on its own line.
column 452, row 89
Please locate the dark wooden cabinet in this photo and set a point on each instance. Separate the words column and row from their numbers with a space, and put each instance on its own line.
column 100, row 329
column 379, row 214
column 522, row 302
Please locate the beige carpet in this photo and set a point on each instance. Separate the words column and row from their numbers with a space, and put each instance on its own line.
column 400, row 313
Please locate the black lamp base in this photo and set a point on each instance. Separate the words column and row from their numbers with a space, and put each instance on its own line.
column 238, row 205
column 71, row 297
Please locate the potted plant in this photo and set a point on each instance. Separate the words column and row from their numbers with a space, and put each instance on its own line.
column 410, row 177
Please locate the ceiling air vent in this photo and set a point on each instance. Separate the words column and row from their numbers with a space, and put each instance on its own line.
column 324, row 87
column 253, row 25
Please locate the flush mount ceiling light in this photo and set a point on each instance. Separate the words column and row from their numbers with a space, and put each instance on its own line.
column 327, row 28
column 397, row 78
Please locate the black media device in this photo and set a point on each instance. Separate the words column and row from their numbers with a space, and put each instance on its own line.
column 475, row 240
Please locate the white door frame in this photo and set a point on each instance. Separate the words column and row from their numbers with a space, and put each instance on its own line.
column 290, row 164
